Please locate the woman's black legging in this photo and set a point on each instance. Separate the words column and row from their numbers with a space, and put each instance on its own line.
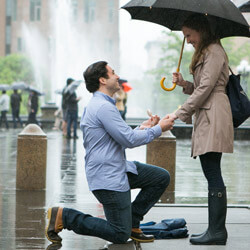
column 210, row 163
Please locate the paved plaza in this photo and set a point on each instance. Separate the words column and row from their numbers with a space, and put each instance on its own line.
column 23, row 213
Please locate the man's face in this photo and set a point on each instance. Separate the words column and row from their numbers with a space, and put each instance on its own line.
column 112, row 84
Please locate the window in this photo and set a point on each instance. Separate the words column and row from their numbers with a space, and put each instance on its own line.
column 8, row 27
column 8, row 40
column 14, row 10
column 74, row 7
column 19, row 44
column 8, row 34
column 35, row 10
column 89, row 10
column 111, row 10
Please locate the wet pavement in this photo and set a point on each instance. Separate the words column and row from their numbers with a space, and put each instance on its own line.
column 23, row 213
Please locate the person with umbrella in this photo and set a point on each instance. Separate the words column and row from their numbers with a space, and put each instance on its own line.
column 4, row 107
column 15, row 101
column 121, row 99
column 71, row 100
column 64, row 106
column 213, row 132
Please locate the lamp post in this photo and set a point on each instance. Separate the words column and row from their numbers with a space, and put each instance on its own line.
column 244, row 70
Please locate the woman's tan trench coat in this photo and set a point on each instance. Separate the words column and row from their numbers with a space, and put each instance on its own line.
column 213, row 127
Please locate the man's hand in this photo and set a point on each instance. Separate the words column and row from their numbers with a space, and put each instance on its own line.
column 166, row 123
column 152, row 121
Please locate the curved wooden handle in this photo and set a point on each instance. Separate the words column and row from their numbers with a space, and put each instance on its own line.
column 167, row 89
column 177, row 70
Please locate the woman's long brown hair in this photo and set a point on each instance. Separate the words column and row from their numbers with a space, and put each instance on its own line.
column 199, row 23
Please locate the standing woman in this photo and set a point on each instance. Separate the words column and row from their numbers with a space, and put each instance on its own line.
column 213, row 132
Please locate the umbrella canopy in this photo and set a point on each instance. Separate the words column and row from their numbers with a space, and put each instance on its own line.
column 225, row 18
column 73, row 86
column 121, row 81
column 32, row 89
column 59, row 91
column 19, row 85
column 4, row 87
column 245, row 7
column 126, row 86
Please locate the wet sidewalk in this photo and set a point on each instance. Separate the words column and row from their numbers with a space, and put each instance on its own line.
column 23, row 217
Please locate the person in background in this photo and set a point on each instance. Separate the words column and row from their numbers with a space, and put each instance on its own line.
column 64, row 106
column 72, row 114
column 33, row 107
column 110, row 176
column 121, row 99
column 4, row 107
column 213, row 132
column 58, row 119
column 15, row 101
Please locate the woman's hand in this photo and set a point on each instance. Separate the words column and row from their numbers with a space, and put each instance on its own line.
column 178, row 79
column 172, row 116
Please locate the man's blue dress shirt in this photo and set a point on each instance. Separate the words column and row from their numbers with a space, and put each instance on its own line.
column 106, row 136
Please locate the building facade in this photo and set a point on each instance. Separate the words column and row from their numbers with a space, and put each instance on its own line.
column 99, row 20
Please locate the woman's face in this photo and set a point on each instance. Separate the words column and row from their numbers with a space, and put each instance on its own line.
column 192, row 36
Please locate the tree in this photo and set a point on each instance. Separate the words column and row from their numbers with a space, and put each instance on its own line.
column 235, row 53
column 15, row 67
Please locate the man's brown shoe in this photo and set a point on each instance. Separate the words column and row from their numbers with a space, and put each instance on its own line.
column 55, row 224
column 139, row 236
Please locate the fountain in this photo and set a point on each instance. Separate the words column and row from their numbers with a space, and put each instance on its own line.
column 71, row 47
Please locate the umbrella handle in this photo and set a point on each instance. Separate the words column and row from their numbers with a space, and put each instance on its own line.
column 177, row 70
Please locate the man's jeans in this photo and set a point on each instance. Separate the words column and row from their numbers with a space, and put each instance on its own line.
column 71, row 118
column 121, row 215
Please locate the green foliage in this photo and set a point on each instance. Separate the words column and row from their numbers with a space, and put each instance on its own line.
column 234, row 52
column 15, row 67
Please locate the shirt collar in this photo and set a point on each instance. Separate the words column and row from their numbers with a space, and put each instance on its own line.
column 106, row 97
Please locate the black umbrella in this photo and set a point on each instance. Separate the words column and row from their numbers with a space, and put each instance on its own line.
column 73, row 86
column 224, row 17
column 121, row 81
column 4, row 87
column 33, row 89
column 19, row 85
column 245, row 7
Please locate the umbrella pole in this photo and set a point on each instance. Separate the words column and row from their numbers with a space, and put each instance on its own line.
column 177, row 70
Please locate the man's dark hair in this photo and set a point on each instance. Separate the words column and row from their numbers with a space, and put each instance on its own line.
column 4, row 92
column 93, row 73
column 69, row 81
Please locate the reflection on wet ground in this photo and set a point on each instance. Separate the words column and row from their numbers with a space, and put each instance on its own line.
column 22, row 213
